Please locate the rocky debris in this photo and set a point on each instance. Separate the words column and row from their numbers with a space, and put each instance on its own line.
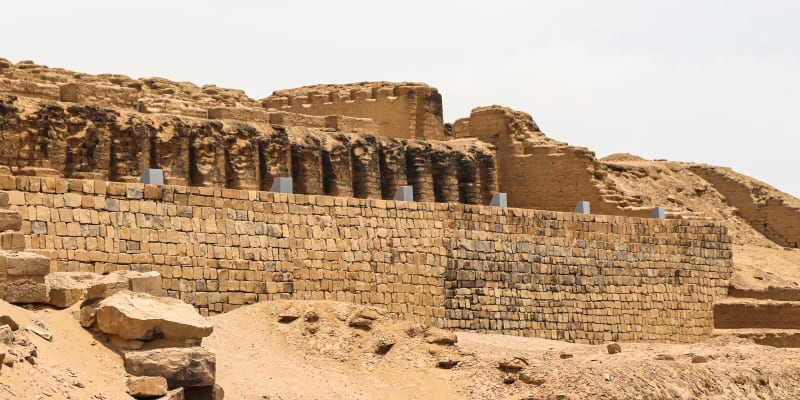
column 176, row 394
column 614, row 348
column 67, row 288
column 440, row 336
column 140, row 316
column 531, row 378
column 447, row 362
column 361, row 323
column 513, row 364
column 6, row 335
column 289, row 315
column 205, row 393
column 565, row 356
column 41, row 332
column 182, row 367
column 146, row 386
column 384, row 344
column 665, row 357
column 3, row 351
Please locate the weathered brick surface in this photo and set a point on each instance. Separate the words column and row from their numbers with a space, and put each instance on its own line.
column 558, row 275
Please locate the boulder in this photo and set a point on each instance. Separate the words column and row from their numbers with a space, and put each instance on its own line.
column 140, row 316
column 107, row 285
column 147, row 386
column 182, row 367
column 614, row 348
column 68, row 288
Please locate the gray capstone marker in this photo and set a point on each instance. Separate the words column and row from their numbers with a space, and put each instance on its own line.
column 153, row 176
column 404, row 193
column 499, row 199
column 282, row 185
column 659, row 213
column 583, row 208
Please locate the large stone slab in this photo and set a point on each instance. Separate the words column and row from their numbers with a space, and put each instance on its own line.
column 25, row 290
column 67, row 288
column 182, row 367
column 139, row 316
column 23, row 263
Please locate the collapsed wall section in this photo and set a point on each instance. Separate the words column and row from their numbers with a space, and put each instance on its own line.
column 565, row 276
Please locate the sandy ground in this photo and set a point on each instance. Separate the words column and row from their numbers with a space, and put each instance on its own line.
column 261, row 358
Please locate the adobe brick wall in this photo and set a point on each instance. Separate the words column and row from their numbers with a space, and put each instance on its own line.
column 585, row 278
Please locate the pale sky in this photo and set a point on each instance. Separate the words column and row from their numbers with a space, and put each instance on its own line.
column 715, row 81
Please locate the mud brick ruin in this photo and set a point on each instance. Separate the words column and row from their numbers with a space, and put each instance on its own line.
column 77, row 144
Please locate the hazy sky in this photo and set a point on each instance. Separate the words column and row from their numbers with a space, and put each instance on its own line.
column 706, row 81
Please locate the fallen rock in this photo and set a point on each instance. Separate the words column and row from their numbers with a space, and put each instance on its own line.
column 699, row 359
column 565, row 356
column 88, row 315
column 509, row 379
column 146, row 386
column 531, row 378
column 665, row 357
column 2, row 355
column 141, row 316
column 145, row 282
column 514, row 364
column 368, row 313
column 205, row 393
column 440, row 336
column 614, row 348
column 361, row 323
column 107, row 285
column 68, row 288
column 6, row 335
column 384, row 344
column 176, row 394
column 184, row 367
column 42, row 333
column 7, row 320
column 288, row 315
column 447, row 362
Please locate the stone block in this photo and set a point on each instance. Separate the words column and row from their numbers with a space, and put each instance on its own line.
column 146, row 386
column 182, row 367
column 10, row 220
column 404, row 193
column 499, row 200
column 659, row 213
column 282, row 185
column 22, row 263
column 25, row 291
column 10, row 240
column 153, row 176
column 583, row 208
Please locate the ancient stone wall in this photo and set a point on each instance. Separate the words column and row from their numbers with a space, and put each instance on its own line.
column 401, row 110
column 585, row 278
column 320, row 153
column 766, row 212
column 541, row 173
